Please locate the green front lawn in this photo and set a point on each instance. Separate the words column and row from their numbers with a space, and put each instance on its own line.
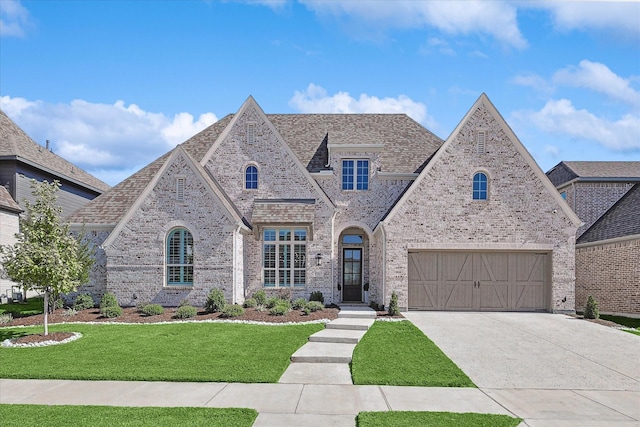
column 32, row 306
column 398, row 353
column 218, row 352
column 108, row 416
column 629, row 322
column 437, row 419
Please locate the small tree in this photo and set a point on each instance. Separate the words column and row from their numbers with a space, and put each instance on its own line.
column 46, row 257
column 393, row 305
column 591, row 309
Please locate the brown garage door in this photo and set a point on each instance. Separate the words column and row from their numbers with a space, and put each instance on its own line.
column 491, row 281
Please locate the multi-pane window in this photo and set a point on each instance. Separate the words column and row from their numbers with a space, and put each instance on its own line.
column 284, row 257
column 480, row 186
column 180, row 258
column 355, row 174
column 251, row 178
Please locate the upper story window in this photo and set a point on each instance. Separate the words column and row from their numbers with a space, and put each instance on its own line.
column 355, row 174
column 480, row 186
column 284, row 257
column 251, row 178
column 180, row 258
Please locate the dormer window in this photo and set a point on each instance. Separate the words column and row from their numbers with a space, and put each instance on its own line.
column 355, row 174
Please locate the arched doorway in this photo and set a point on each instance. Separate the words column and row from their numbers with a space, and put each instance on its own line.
column 354, row 263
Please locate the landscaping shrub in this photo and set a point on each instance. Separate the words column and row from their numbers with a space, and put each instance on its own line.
column 215, row 301
column 232, row 310
column 316, row 296
column 5, row 318
column 185, row 312
column 272, row 301
column 111, row 311
column 152, row 310
column 70, row 312
column 393, row 305
column 250, row 303
column 83, row 302
column 591, row 309
column 299, row 304
column 260, row 297
column 312, row 306
column 58, row 303
column 281, row 308
column 108, row 300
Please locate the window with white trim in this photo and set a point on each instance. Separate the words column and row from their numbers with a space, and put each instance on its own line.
column 251, row 178
column 480, row 186
column 284, row 257
column 355, row 174
column 179, row 258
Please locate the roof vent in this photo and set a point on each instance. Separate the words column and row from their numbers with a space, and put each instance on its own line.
column 480, row 141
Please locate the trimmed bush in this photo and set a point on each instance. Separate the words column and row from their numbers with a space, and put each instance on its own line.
column 260, row 297
column 281, row 308
column 591, row 309
column 215, row 301
column 111, row 311
column 250, row 303
column 299, row 304
column 314, row 306
column 316, row 296
column 393, row 305
column 83, row 302
column 185, row 312
column 152, row 310
column 5, row 318
column 108, row 300
column 272, row 301
column 232, row 310
column 70, row 312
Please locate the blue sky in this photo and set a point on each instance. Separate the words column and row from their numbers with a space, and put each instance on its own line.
column 115, row 84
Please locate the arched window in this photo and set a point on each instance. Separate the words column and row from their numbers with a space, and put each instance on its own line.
column 251, row 178
column 180, row 258
column 480, row 186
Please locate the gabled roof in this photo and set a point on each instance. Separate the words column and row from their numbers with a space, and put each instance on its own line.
column 15, row 144
column 483, row 100
column 7, row 203
column 621, row 220
column 567, row 171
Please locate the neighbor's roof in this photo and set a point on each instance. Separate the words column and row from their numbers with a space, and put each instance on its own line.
column 407, row 146
column 622, row 219
column 7, row 203
column 15, row 143
column 568, row 171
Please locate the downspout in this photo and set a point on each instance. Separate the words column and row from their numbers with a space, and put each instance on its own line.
column 332, row 260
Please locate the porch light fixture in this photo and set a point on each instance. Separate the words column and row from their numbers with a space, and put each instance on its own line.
column 318, row 259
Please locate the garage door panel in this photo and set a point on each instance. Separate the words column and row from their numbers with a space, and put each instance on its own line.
column 496, row 281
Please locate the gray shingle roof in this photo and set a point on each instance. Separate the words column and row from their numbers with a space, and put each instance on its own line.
column 407, row 145
column 605, row 169
column 622, row 219
column 6, row 201
column 15, row 143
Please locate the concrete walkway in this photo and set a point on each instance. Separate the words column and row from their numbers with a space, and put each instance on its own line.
column 326, row 357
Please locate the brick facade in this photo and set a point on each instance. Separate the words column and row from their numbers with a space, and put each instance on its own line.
column 610, row 272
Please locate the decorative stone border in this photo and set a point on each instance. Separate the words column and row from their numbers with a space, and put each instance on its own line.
column 75, row 336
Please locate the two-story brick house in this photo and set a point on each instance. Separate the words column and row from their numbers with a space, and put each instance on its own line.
column 335, row 202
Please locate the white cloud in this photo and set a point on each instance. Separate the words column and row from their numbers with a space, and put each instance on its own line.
column 534, row 81
column 441, row 45
column 106, row 138
column 316, row 100
column 497, row 19
column 598, row 77
column 561, row 117
column 552, row 150
column 14, row 18
column 618, row 17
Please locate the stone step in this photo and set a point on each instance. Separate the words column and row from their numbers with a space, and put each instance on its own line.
column 357, row 313
column 350, row 323
column 317, row 373
column 348, row 336
column 321, row 352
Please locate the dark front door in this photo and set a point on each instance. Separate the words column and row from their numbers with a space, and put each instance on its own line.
column 352, row 275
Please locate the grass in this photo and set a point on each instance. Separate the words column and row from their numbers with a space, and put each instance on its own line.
column 107, row 416
column 629, row 322
column 196, row 352
column 398, row 353
column 439, row 419
column 33, row 306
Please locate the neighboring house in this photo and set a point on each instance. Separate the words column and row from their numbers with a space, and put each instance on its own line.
column 21, row 160
column 9, row 220
column 606, row 196
column 330, row 202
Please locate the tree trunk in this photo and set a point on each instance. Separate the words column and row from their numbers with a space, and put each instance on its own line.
column 46, row 311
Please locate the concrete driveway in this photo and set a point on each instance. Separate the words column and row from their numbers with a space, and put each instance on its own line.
column 535, row 350
column 548, row 369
